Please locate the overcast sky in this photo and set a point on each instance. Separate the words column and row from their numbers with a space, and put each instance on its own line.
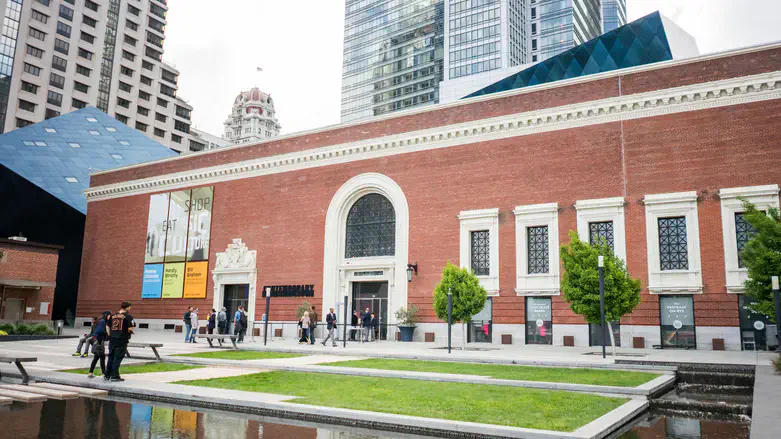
column 218, row 45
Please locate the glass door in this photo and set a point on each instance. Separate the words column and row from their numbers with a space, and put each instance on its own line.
column 480, row 326
column 374, row 297
column 755, row 328
column 235, row 296
column 539, row 320
column 677, row 321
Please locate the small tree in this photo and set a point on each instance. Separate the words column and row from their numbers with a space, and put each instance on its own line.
column 762, row 257
column 580, row 283
column 304, row 307
column 468, row 296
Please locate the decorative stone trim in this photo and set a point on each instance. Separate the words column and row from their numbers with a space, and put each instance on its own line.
column 474, row 220
column 714, row 94
column 603, row 209
column 543, row 284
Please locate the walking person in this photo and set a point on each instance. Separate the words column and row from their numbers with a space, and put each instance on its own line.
column 99, row 347
column 194, row 324
column 222, row 321
column 87, row 339
column 305, row 322
column 187, row 323
column 120, row 328
column 354, row 324
column 313, row 318
column 212, row 322
column 366, row 323
column 240, row 324
column 375, row 334
column 330, row 320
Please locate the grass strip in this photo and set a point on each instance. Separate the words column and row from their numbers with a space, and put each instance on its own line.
column 240, row 355
column 488, row 404
column 140, row 368
column 600, row 377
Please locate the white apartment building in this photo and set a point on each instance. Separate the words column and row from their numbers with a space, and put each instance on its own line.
column 63, row 55
column 252, row 118
column 203, row 141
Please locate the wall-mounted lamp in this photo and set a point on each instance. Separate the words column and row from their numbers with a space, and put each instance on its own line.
column 410, row 269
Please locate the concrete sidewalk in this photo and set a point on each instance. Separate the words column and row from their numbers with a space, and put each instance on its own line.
column 766, row 409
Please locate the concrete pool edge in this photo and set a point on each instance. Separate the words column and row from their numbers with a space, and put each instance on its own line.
column 274, row 405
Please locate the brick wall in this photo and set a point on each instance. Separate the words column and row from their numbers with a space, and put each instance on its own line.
column 24, row 262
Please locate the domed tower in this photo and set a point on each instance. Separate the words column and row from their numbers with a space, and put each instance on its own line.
column 253, row 118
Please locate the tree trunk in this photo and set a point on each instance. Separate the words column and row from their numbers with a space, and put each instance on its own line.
column 463, row 337
column 612, row 340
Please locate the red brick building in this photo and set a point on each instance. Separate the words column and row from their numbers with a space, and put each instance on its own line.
column 28, row 273
column 652, row 158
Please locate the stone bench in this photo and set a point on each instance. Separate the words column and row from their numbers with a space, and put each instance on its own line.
column 18, row 362
column 152, row 346
column 220, row 338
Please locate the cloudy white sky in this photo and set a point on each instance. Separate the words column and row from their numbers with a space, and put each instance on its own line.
column 218, row 46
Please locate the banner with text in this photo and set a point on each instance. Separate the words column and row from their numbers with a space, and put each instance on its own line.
column 196, row 274
column 153, row 281
column 173, row 280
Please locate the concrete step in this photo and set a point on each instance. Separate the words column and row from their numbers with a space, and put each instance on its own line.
column 51, row 393
column 83, row 391
column 5, row 401
column 22, row 396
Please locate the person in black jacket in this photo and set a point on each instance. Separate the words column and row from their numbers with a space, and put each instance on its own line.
column 354, row 324
column 120, row 328
column 366, row 323
column 99, row 347
column 330, row 320
column 212, row 321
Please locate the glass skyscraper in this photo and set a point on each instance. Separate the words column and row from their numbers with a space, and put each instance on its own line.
column 393, row 56
column 557, row 25
column 613, row 14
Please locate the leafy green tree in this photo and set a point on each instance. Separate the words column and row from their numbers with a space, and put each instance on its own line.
column 468, row 296
column 762, row 257
column 580, row 282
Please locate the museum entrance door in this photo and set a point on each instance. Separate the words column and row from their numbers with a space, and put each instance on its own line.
column 235, row 295
column 374, row 296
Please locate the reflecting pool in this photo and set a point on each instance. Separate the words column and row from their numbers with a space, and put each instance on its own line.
column 125, row 419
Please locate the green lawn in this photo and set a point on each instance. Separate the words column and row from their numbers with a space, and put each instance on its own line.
column 140, row 368
column 511, row 406
column 240, row 355
column 600, row 377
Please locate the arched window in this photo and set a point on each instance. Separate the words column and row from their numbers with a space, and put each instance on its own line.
column 371, row 228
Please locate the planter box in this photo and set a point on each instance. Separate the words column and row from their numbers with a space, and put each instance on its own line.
column 429, row 337
column 569, row 340
column 406, row 332
column 35, row 337
column 718, row 344
column 507, row 339
column 638, row 342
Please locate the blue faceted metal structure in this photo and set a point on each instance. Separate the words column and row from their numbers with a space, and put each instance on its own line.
column 58, row 154
column 640, row 42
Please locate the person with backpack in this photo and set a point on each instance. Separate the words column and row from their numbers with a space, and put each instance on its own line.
column 212, row 321
column 120, row 328
column 99, row 347
column 222, row 321
column 187, row 324
column 240, row 324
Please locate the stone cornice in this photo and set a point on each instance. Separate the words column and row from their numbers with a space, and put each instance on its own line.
column 729, row 92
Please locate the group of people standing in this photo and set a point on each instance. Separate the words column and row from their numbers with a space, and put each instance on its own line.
column 308, row 323
column 116, row 328
column 215, row 320
column 368, row 324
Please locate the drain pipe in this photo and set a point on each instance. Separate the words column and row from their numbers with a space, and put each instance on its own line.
column 777, row 302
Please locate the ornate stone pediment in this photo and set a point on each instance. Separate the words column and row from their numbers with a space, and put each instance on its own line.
column 237, row 255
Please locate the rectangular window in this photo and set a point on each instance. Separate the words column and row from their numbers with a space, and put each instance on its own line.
column 595, row 334
column 30, row 88
column 673, row 250
column 64, row 29
column 130, row 25
column 130, row 40
column 123, row 102
column 143, row 111
column 481, row 252
column 66, row 12
column 126, row 71
column 121, row 118
column 61, row 46
column 538, row 250
column 677, row 319
column 91, row 5
column 182, row 112
column 162, row 102
column 141, row 126
column 26, row 106
column 60, row 64
column 539, row 320
column 181, row 126
column 35, row 15
column 148, row 65
column 176, row 139
column 601, row 233
column 125, row 87
column 91, row 22
column 21, row 123
column 75, row 103
column 84, row 88
column 169, row 76
column 153, row 54
column 743, row 234
column 128, row 56
column 34, row 51
column 31, row 69
column 144, row 95
column 534, row 28
column 755, row 328
column 81, row 70
column 43, row 2
column 480, row 327
column 56, row 80
column 86, row 54
column 87, row 37
column 133, row 10
column 50, row 113
column 534, row 44
column 54, row 98
column 159, row 132
column 38, row 35
column 146, row 80
column 161, row 117
column 168, row 91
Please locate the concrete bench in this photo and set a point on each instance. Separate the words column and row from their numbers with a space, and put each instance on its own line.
column 18, row 362
column 152, row 346
column 220, row 338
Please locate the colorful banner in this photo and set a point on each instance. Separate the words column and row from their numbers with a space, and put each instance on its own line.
column 173, row 280
column 196, row 275
column 176, row 227
column 153, row 281
column 155, row 229
column 200, row 213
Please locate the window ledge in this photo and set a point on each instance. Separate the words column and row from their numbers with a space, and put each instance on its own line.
column 676, row 197
column 690, row 289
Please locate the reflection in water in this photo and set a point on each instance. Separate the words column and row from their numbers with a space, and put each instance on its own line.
column 106, row 419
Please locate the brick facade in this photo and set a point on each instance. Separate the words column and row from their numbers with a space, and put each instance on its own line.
column 282, row 215
column 28, row 262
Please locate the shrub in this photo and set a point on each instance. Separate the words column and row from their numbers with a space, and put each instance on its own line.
column 3, row 333
column 408, row 316
column 22, row 329
column 41, row 329
column 304, row 307
column 8, row 328
column 777, row 363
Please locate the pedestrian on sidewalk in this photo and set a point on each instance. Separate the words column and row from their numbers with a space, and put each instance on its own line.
column 187, row 323
column 194, row 324
column 330, row 320
column 99, row 348
column 313, row 317
column 354, row 324
column 222, row 321
column 120, row 328
column 375, row 334
column 212, row 322
column 240, row 324
column 366, row 323
column 87, row 339
column 305, row 322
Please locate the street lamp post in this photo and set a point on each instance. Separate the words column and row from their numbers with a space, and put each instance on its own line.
column 265, row 323
column 449, row 317
column 777, row 302
column 601, row 265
